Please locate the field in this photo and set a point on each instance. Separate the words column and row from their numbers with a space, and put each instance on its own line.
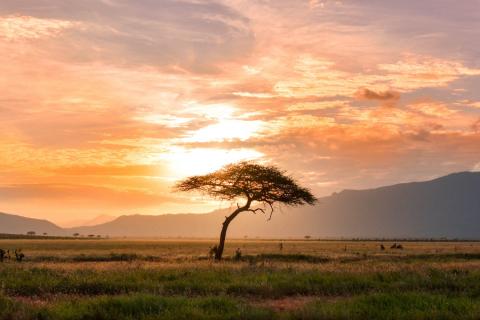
column 175, row 279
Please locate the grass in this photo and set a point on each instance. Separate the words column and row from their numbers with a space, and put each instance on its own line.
column 173, row 279
column 135, row 307
column 410, row 305
column 295, row 257
column 246, row 281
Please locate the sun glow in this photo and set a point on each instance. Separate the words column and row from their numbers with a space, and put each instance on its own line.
column 228, row 124
column 226, row 130
column 217, row 111
column 184, row 162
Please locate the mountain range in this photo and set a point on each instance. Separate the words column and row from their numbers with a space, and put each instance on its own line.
column 445, row 207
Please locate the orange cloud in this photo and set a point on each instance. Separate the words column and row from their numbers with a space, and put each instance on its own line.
column 366, row 94
column 127, row 170
column 415, row 72
column 14, row 28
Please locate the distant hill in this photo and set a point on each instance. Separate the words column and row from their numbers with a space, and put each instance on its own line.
column 444, row 207
column 14, row 224
column 168, row 225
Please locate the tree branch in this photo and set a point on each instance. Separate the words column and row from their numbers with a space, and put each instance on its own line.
column 257, row 209
column 271, row 210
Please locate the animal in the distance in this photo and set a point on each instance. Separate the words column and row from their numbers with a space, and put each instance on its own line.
column 238, row 254
column 397, row 246
column 382, row 247
column 3, row 254
column 213, row 251
column 19, row 256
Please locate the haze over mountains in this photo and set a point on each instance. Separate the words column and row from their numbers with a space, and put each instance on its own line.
column 445, row 207
column 88, row 222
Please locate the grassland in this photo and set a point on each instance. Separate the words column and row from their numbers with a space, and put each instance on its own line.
column 174, row 279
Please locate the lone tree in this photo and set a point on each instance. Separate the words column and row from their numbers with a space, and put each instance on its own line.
column 256, row 184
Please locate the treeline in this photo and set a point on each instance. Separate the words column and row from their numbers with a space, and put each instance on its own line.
column 31, row 236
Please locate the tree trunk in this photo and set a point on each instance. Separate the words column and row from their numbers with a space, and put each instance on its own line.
column 223, row 233
column 221, row 244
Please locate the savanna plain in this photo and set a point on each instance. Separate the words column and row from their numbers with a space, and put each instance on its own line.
column 300, row 279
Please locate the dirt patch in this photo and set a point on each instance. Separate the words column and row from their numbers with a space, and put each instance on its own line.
column 32, row 301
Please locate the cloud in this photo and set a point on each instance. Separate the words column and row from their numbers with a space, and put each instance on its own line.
column 317, row 105
column 318, row 77
column 433, row 109
column 14, row 28
column 476, row 126
column 126, row 170
column 80, row 193
column 366, row 94
column 416, row 72
column 191, row 36
column 437, row 28
column 471, row 104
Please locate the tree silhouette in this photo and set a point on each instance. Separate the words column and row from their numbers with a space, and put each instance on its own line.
column 255, row 183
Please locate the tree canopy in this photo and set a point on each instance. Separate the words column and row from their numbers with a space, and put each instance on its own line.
column 253, row 181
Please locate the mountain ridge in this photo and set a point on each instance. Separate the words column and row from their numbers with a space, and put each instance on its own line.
column 447, row 206
column 16, row 224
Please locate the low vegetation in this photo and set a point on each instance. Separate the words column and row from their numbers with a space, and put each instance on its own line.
column 175, row 279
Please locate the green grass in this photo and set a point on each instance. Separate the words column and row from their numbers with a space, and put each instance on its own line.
column 396, row 306
column 135, row 307
column 245, row 281
column 399, row 306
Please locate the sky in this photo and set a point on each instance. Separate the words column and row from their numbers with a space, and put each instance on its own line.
column 105, row 104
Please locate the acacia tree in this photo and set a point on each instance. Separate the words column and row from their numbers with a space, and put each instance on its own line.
column 258, row 185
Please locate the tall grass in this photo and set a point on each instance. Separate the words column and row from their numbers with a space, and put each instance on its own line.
column 246, row 281
column 398, row 306
column 407, row 305
column 134, row 307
